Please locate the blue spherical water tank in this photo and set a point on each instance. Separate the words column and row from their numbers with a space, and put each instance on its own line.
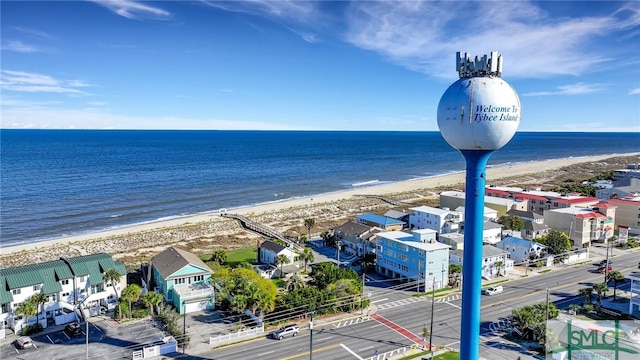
column 479, row 113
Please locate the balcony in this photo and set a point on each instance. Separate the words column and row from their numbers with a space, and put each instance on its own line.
column 194, row 290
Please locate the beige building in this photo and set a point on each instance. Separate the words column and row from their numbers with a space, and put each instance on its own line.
column 627, row 213
column 454, row 199
column 583, row 225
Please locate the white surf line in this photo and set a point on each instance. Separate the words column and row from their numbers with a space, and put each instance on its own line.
column 351, row 352
column 266, row 353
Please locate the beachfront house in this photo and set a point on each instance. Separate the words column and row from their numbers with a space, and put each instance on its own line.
column 380, row 221
column 183, row 279
column 356, row 238
column 494, row 261
column 73, row 287
column 268, row 253
column 415, row 257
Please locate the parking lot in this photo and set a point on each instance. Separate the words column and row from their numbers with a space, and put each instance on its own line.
column 107, row 340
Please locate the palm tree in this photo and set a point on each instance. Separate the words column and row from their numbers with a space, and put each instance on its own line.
column 307, row 257
column 280, row 260
column 600, row 289
column 294, row 283
column 112, row 276
column 38, row 300
column 309, row 223
column 152, row 299
column 499, row 265
column 587, row 294
column 219, row 256
column 617, row 278
column 27, row 309
column 130, row 294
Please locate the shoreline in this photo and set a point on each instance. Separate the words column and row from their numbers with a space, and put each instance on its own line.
column 494, row 173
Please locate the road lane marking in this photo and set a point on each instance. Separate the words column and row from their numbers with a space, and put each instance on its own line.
column 50, row 339
column 97, row 328
column 454, row 305
column 367, row 348
column 326, row 338
column 375, row 301
column 265, row 353
column 351, row 352
column 307, row 353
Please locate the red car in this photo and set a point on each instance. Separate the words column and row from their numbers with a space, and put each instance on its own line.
column 607, row 268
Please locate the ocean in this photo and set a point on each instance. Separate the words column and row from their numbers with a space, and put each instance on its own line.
column 56, row 183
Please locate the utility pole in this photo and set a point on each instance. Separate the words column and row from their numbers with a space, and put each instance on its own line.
column 311, row 337
column 362, row 298
column 433, row 300
column 606, row 265
column 86, row 322
column 184, row 327
column 547, row 312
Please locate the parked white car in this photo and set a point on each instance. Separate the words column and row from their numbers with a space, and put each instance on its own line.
column 493, row 290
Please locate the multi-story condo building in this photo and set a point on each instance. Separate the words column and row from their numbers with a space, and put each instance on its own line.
column 413, row 257
column 635, row 292
column 632, row 171
column 72, row 286
column 538, row 201
column 620, row 190
column 441, row 220
column 583, row 225
column 627, row 213
column 453, row 199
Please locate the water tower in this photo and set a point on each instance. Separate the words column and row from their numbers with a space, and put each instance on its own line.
column 477, row 114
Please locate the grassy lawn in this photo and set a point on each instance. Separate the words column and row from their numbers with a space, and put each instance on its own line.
column 279, row 283
column 426, row 355
column 235, row 257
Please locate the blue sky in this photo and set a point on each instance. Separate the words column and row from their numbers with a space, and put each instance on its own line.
column 302, row 65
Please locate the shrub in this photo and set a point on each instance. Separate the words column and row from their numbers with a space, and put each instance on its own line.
column 140, row 313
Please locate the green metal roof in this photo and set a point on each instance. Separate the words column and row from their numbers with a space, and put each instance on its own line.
column 47, row 274
column 5, row 295
column 94, row 266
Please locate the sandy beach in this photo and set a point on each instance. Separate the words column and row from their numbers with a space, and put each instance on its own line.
column 210, row 230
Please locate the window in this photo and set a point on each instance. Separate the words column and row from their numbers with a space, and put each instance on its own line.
column 179, row 281
column 65, row 294
column 64, row 282
column 15, row 291
column 81, row 279
column 52, row 298
column 36, row 287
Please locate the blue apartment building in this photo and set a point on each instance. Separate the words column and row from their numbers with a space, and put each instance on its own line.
column 415, row 256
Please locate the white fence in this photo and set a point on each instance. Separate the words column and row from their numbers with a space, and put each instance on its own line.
column 389, row 354
column 236, row 336
column 156, row 350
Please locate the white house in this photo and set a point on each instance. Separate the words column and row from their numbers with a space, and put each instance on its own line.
column 494, row 261
column 413, row 257
column 269, row 251
column 521, row 250
column 441, row 220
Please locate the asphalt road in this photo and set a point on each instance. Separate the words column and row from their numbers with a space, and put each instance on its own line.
column 400, row 318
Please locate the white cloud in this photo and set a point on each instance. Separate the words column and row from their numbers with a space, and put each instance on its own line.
column 572, row 89
column 635, row 91
column 33, row 82
column 19, row 46
column 422, row 35
column 134, row 10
